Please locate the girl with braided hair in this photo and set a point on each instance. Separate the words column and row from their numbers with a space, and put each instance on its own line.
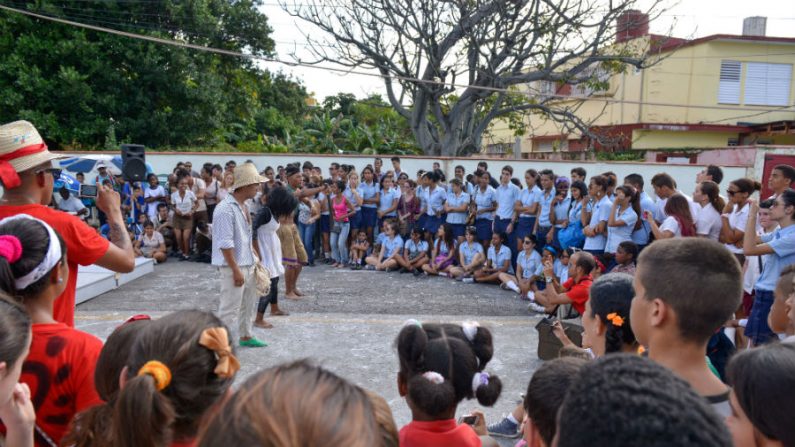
column 441, row 365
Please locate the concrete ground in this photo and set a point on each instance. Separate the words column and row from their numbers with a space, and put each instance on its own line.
column 347, row 323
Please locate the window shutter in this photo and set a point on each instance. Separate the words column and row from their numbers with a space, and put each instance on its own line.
column 729, row 89
column 767, row 84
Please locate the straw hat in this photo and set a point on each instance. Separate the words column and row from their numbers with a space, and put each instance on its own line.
column 246, row 174
column 21, row 148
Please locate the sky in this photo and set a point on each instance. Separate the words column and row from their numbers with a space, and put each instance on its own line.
column 689, row 18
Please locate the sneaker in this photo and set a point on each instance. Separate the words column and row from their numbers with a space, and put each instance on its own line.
column 530, row 296
column 533, row 307
column 369, row 267
column 404, row 270
column 253, row 343
column 468, row 280
column 504, row 286
column 417, row 272
column 504, row 429
column 442, row 275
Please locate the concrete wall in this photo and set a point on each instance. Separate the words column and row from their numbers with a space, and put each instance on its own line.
column 683, row 174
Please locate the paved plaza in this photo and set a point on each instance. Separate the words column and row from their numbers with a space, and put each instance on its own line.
column 347, row 322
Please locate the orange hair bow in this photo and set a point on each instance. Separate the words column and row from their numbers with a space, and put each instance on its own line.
column 216, row 339
column 616, row 319
column 158, row 371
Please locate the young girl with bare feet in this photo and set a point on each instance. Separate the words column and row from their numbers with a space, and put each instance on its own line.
column 293, row 252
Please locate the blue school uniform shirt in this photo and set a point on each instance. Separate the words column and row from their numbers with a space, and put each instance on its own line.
column 470, row 250
column 348, row 194
column 528, row 197
column 507, row 195
column 545, row 207
column 562, row 211
column 617, row 235
column 454, row 202
column 575, row 212
column 641, row 235
column 385, row 201
column 414, row 248
column 485, row 199
column 392, row 246
column 443, row 248
column 529, row 265
column 368, row 192
column 498, row 258
column 600, row 212
column 422, row 194
column 782, row 241
column 436, row 198
column 560, row 270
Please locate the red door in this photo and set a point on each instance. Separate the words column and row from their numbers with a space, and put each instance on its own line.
column 772, row 161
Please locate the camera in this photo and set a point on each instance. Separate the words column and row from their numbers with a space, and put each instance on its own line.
column 89, row 191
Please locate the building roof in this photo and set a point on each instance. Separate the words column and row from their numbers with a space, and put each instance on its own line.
column 674, row 43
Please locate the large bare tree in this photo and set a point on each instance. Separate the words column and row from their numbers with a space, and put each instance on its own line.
column 450, row 67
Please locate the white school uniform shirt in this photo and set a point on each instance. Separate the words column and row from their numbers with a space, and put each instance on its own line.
column 183, row 204
column 670, row 224
column 151, row 208
column 600, row 213
column 737, row 220
column 617, row 235
column 708, row 222
column 641, row 235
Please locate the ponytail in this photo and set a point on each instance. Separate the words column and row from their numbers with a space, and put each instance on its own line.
column 142, row 415
column 712, row 190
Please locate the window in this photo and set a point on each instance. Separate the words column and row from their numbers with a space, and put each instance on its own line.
column 767, row 84
column 729, row 89
column 599, row 82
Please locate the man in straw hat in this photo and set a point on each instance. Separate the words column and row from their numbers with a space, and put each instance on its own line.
column 233, row 253
column 27, row 175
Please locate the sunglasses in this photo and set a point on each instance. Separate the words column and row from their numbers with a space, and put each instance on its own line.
column 528, row 242
column 56, row 172
column 730, row 192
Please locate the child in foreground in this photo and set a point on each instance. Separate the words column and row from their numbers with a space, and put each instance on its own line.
column 440, row 365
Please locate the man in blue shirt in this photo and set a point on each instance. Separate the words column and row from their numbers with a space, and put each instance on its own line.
column 507, row 195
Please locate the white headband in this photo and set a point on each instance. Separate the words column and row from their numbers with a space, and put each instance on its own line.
column 478, row 380
column 51, row 259
column 433, row 377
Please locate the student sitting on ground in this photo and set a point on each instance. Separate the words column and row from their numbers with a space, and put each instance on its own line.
column 391, row 248
column 528, row 269
column 16, row 409
column 685, row 290
column 441, row 365
column 498, row 260
column 150, row 244
column 359, row 249
column 59, row 368
column 470, row 257
column 763, row 396
column 626, row 255
column 626, row 400
column 180, row 366
column 574, row 292
column 299, row 404
column 443, row 254
column 415, row 253
column 92, row 427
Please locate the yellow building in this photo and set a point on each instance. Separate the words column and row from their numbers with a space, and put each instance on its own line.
column 727, row 90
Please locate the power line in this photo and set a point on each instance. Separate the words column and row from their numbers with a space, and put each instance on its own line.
column 363, row 73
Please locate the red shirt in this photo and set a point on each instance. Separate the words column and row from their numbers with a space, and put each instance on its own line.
column 60, row 373
column 444, row 433
column 83, row 246
column 578, row 293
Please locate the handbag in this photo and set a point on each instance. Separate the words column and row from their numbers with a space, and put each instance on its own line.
column 261, row 276
column 548, row 344
column 571, row 236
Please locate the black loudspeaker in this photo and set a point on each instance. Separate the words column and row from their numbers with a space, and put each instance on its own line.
column 133, row 164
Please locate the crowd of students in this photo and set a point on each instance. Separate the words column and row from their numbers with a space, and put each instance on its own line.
column 653, row 368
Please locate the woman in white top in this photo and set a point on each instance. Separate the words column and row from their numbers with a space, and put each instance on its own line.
column 150, row 244
column 212, row 187
column 154, row 195
column 679, row 222
column 708, row 221
column 735, row 215
column 269, row 249
column 185, row 204
column 226, row 186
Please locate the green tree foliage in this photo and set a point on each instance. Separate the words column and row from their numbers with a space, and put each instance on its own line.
column 75, row 84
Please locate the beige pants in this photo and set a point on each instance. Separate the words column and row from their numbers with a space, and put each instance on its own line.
column 238, row 301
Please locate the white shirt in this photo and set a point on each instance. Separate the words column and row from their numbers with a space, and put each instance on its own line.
column 198, row 184
column 183, row 204
column 151, row 208
column 670, row 224
column 737, row 221
column 70, row 205
column 708, row 222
